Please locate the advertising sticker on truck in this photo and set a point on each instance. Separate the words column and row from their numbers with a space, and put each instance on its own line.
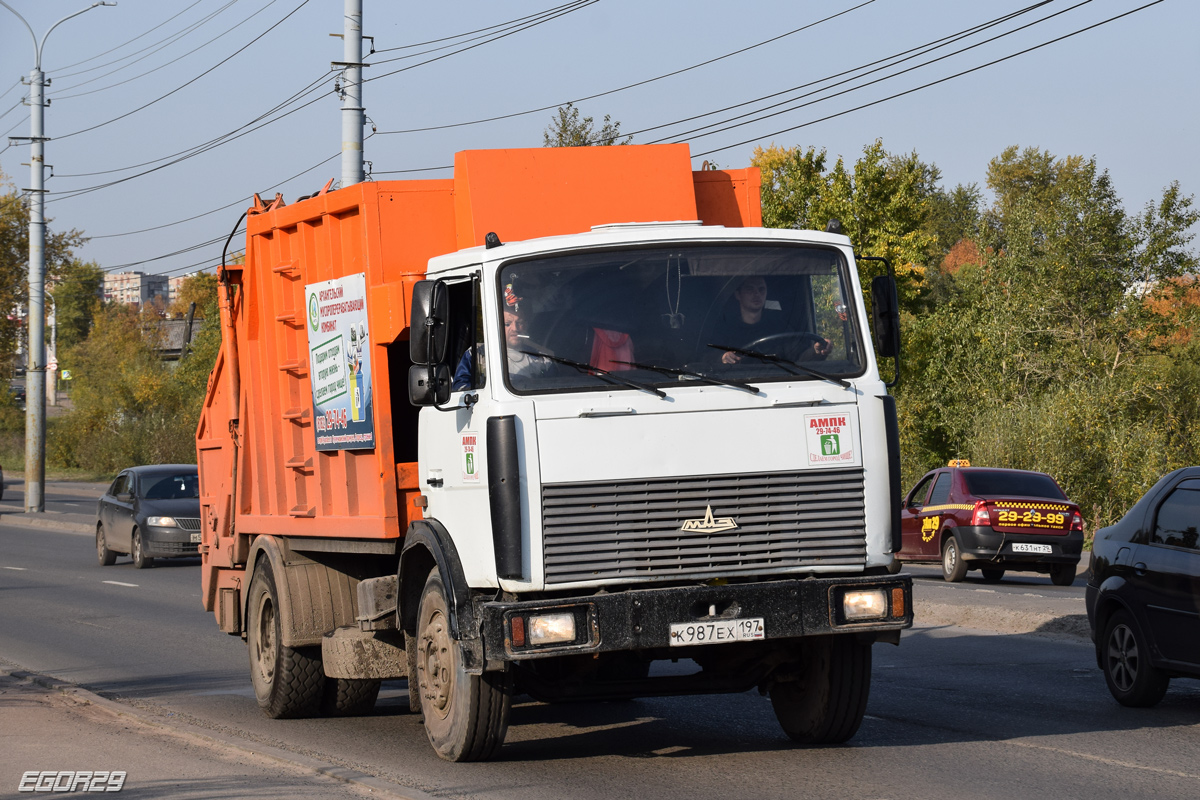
column 831, row 439
column 470, row 457
column 339, row 363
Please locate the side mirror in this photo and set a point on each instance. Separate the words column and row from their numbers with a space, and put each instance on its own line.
column 428, row 384
column 885, row 315
column 125, row 497
column 429, row 331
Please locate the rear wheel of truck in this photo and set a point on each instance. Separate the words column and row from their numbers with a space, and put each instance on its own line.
column 466, row 716
column 826, row 702
column 346, row 697
column 288, row 681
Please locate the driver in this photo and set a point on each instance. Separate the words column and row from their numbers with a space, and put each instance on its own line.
column 754, row 321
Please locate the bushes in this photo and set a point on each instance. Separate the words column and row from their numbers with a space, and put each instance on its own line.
column 130, row 407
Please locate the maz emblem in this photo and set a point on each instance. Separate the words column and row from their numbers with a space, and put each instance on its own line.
column 708, row 524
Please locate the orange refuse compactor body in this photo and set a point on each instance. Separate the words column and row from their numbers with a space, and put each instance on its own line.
column 261, row 471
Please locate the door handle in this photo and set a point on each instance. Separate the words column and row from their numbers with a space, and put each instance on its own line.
column 1139, row 568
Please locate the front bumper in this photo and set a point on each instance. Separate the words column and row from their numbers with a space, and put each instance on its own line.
column 978, row 543
column 169, row 543
column 640, row 619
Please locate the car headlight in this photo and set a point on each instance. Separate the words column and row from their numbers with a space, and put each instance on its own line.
column 162, row 522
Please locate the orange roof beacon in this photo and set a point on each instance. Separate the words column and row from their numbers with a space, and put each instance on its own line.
column 570, row 402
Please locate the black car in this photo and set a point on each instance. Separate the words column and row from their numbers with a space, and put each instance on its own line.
column 150, row 512
column 1143, row 592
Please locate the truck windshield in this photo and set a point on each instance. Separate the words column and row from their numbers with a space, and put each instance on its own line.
column 673, row 315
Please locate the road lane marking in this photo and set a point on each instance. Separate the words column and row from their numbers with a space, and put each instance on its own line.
column 118, row 583
column 18, row 569
column 1112, row 762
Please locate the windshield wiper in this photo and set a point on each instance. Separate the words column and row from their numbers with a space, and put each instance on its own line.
column 598, row 372
column 784, row 364
column 699, row 376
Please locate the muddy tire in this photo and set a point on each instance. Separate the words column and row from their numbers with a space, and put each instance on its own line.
column 466, row 716
column 288, row 682
column 138, row 552
column 345, row 697
column 1062, row 574
column 954, row 569
column 105, row 556
column 826, row 702
column 895, row 567
column 1125, row 659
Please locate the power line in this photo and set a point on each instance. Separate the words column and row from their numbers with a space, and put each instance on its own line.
column 222, row 208
column 496, row 38
column 224, row 33
column 630, row 85
column 134, row 39
column 193, row 80
column 931, row 83
column 530, row 21
column 697, row 131
column 308, row 89
column 478, row 30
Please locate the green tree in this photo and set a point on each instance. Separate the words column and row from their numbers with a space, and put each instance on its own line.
column 883, row 203
column 201, row 289
column 1039, row 353
column 77, row 297
column 566, row 129
column 14, row 261
column 128, row 406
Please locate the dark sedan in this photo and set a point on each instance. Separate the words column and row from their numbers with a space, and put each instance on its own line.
column 150, row 512
column 1143, row 592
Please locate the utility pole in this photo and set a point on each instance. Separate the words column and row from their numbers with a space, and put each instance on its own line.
column 35, row 370
column 352, row 107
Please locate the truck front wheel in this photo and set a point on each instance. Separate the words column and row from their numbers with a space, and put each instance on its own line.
column 288, row 681
column 825, row 702
column 466, row 716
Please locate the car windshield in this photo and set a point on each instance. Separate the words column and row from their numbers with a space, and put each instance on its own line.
column 658, row 316
column 1016, row 484
column 181, row 486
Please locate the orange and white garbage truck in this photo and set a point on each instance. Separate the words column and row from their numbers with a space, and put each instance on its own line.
column 531, row 429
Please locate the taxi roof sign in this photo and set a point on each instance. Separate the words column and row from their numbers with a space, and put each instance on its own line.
column 959, row 462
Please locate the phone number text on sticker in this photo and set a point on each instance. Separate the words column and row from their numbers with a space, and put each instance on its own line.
column 730, row 630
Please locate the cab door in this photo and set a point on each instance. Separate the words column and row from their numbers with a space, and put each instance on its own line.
column 933, row 516
column 1166, row 575
column 910, row 523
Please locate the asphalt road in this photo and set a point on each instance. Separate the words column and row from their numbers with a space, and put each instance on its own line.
column 953, row 712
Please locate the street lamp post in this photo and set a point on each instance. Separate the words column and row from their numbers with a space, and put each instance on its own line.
column 35, row 370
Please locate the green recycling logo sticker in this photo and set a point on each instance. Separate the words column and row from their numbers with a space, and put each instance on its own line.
column 312, row 311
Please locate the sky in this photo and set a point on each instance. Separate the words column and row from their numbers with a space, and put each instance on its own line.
column 138, row 86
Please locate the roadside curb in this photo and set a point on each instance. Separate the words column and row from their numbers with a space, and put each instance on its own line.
column 218, row 740
column 39, row 521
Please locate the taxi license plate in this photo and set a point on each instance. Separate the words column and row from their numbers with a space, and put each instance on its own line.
column 725, row 630
column 1023, row 547
column 195, row 538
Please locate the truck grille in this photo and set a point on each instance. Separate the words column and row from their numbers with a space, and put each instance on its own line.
column 634, row 529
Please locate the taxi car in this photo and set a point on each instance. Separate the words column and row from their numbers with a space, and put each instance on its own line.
column 991, row 520
column 1143, row 592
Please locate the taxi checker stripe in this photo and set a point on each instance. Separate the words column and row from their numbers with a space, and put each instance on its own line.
column 958, row 506
column 1051, row 506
